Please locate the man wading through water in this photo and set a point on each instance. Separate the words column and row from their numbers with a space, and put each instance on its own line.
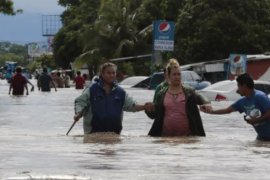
column 18, row 82
column 44, row 82
column 254, row 103
column 105, row 102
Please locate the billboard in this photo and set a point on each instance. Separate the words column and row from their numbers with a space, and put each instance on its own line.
column 238, row 63
column 164, row 35
column 37, row 49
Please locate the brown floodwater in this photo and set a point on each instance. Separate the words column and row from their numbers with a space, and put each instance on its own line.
column 33, row 144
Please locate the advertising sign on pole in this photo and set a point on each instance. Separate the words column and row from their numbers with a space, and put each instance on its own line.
column 163, row 38
column 238, row 64
column 164, row 35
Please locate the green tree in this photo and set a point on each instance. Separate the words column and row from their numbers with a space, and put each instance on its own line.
column 68, row 3
column 13, row 52
column 209, row 29
column 6, row 7
column 32, row 66
column 174, row 8
column 11, row 57
column 114, row 35
column 76, row 19
column 150, row 11
column 47, row 60
column 4, row 47
column 17, row 49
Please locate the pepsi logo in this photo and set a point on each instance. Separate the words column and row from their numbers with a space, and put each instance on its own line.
column 164, row 28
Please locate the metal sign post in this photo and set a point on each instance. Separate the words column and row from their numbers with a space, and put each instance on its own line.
column 163, row 38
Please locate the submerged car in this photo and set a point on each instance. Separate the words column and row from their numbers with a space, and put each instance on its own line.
column 190, row 78
column 228, row 90
column 135, row 82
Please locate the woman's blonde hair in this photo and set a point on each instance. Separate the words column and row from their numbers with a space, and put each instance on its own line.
column 172, row 62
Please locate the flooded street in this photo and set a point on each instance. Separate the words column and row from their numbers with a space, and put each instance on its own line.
column 33, row 142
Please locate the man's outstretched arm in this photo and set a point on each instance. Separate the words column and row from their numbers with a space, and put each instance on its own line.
column 227, row 110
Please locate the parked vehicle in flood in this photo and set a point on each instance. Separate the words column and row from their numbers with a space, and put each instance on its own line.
column 188, row 77
column 227, row 90
column 135, row 82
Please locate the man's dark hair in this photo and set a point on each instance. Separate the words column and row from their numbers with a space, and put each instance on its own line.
column 45, row 70
column 78, row 73
column 58, row 74
column 19, row 70
column 164, row 70
column 104, row 66
column 245, row 79
column 9, row 70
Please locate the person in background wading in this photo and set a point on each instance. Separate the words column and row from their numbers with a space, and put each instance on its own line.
column 67, row 80
column 44, row 82
column 18, row 83
column 85, row 77
column 9, row 76
column 79, row 80
column 176, row 112
column 59, row 80
column 105, row 102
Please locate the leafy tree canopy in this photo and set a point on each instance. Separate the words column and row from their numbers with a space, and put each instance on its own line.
column 13, row 52
column 209, row 29
column 6, row 7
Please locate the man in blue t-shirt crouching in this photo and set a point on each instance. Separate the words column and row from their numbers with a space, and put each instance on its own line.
column 253, row 103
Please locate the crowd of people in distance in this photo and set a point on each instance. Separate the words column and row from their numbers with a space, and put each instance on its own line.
column 19, row 79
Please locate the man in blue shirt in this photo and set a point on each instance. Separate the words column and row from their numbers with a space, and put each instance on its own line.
column 9, row 75
column 44, row 82
column 252, row 101
column 25, row 73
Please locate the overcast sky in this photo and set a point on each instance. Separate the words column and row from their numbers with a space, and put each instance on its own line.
column 27, row 27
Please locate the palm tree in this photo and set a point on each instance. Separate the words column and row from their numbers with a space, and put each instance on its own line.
column 114, row 34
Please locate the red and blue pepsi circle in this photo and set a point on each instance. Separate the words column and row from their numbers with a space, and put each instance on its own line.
column 164, row 28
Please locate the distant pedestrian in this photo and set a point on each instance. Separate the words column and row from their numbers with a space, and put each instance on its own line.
column 18, row 82
column 85, row 77
column 38, row 72
column 44, row 82
column 59, row 80
column 25, row 74
column 120, row 77
column 67, row 80
column 79, row 80
column 53, row 76
column 9, row 75
column 202, row 77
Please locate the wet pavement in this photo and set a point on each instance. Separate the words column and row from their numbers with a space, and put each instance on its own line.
column 33, row 143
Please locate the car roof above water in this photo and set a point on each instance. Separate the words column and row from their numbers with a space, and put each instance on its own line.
column 229, row 82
